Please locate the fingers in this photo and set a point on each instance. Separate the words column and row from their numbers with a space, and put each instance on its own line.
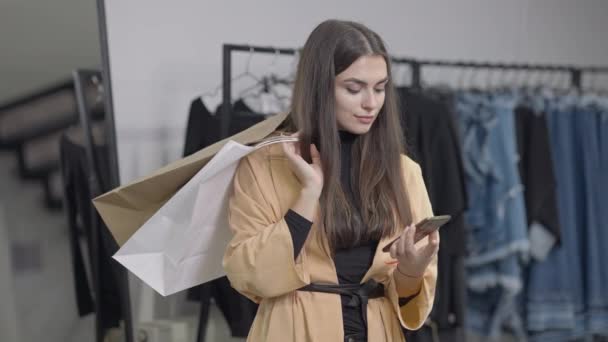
column 289, row 149
column 434, row 238
column 393, row 250
column 432, row 246
column 405, row 244
column 315, row 155
column 408, row 242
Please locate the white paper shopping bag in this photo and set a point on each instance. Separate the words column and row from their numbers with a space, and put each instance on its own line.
column 183, row 243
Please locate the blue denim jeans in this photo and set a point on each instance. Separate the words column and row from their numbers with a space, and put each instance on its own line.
column 565, row 298
column 496, row 215
column 496, row 218
column 593, row 221
column 552, row 284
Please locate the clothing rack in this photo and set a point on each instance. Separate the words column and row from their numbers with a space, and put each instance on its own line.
column 576, row 72
column 97, row 186
column 227, row 51
column 416, row 65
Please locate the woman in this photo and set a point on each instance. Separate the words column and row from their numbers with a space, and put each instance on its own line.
column 310, row 219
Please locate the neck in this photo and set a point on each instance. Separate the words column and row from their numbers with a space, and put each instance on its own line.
column 347, row 137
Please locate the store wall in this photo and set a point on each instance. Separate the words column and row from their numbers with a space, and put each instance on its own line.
column 165, row 54
column 41, row 42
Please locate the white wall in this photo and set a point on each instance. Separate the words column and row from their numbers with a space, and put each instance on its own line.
column 164, row 54
column 41, row 42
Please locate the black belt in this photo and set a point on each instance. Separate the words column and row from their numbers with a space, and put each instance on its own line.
column 358, row 293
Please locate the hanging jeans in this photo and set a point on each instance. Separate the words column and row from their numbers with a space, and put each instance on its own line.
column 496, row 218
column 555, row 283
column 594, row 249
column 603, row 196
column 566, row 295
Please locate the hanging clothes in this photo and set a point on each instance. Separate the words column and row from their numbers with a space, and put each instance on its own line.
column 106, row 301
column 537, row 176
column 432, row 141
column 203, row 129
column 496, row 216
column 204, row 126
column 568, row 305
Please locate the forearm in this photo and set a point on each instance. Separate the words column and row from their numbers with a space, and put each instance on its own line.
column 407, row 285
column 299, row 219
column 306, row 204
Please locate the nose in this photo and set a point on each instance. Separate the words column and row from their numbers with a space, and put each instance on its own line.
column 370, row 102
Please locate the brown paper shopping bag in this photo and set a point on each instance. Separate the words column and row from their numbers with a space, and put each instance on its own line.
column 129, row 206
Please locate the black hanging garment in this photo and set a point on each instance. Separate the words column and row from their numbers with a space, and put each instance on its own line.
column 432, row 141
column 538, row 179
column 100, row 245
column 203, row 130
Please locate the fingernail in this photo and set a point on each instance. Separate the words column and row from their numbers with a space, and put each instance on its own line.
column 392, row 262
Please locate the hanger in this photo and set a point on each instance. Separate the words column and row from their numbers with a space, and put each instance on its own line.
column 262, row 84
column 504, row 85
column 284, row 100
column 461, row 78
column 265, row 90
column 217, row 91
column 475, row 87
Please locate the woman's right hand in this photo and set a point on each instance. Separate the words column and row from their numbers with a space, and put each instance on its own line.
column 310, row 175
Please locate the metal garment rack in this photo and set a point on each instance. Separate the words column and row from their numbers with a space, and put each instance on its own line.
column 227, row 51
column 576, row 72
column 416, row 66
column 97, row 186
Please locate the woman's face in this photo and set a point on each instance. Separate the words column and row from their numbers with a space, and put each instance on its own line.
column 359, row 92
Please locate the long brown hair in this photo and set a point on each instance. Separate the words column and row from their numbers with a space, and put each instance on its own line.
column 377, row 175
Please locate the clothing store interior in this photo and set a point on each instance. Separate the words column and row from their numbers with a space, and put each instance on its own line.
column 504, row 106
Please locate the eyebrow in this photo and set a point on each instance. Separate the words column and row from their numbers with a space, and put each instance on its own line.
column 363, row 83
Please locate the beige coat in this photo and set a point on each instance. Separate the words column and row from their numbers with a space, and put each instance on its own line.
column 260, row 264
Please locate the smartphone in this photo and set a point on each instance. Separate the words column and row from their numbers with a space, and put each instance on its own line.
column 424, row 228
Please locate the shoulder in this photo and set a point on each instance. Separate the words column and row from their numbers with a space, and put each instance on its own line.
column 261, row 163
column 263, row 155
column 411, row 169
column 416, row 189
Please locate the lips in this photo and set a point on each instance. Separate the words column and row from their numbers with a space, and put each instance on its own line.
column 365, row 119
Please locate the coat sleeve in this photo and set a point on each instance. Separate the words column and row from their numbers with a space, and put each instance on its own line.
column 414, row 311
column 259, row 260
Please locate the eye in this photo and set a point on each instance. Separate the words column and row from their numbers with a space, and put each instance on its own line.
column 353, row 91
column 379, row 91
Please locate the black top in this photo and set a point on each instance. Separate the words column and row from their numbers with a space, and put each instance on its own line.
column 109, row 275
column 536, row 169
column 351, row 264
column 203, row 127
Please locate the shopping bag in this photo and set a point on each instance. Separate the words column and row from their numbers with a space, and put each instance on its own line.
column 127, row 207
column 183, row 243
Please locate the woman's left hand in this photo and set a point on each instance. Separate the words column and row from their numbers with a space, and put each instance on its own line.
column 412, row 260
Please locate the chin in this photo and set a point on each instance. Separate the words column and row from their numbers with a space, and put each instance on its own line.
column 360, row 129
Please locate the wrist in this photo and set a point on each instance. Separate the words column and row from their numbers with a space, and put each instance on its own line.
column 310, row 193
column 408, row 274
column 407, row 284
column 306, row 204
